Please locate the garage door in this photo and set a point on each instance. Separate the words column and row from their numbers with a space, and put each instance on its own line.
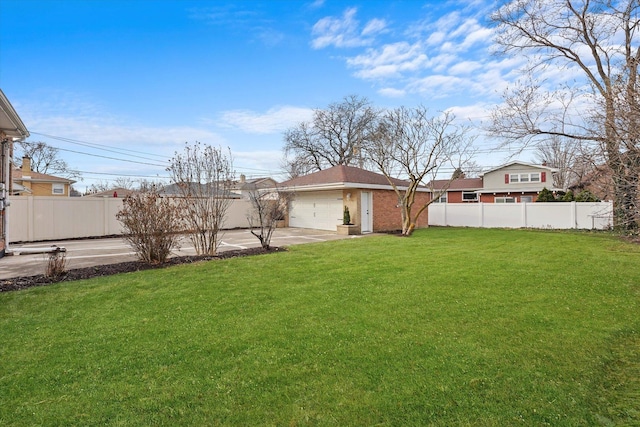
column 320, row 210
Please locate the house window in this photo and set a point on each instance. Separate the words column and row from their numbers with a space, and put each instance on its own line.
column 526, row 199
column 57, row 188
column 469, row 196
column 523, row 177
column 504, row 200
column 441, row 199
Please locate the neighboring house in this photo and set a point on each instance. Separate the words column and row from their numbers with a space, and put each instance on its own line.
column 599, row 182
column 118, row 192
column 29, row 183
column 320, row 198
column 514, row 182
column 246, row 186
column 195, row 189
column 11, row 129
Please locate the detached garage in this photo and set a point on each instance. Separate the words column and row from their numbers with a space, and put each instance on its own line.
column 320, row 198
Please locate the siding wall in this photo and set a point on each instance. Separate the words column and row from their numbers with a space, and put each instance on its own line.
column 55, row 218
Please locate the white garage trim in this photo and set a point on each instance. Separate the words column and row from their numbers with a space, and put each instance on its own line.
column 321, row 210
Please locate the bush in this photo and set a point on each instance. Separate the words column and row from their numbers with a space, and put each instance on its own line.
column 546, row 195
column 568, row 196
column 346, row 217
column 57, row 264
column 586, row 196
column 151, row 224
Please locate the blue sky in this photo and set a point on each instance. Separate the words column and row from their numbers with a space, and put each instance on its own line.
column 141, row 78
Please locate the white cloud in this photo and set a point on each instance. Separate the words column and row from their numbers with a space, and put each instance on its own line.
column 374, row 26
column 344, row 31
column 273, row 121
column 390, row 61
column 392, row 92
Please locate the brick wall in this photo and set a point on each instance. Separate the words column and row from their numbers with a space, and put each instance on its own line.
column 387, row 217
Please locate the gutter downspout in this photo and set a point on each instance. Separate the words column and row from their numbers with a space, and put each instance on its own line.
column 5, row 199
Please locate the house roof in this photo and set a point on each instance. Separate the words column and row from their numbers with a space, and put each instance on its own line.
column 342, row 176
column 121, row 192
column 456, row 184
column 517, row 162
column 16, row 174
column 10, row 123
column 253, row 183
column 198, row 189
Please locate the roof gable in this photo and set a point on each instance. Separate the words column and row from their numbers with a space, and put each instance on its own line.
column 519, row 163
column 16, row 174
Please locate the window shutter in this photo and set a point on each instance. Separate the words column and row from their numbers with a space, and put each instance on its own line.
column 543, row 176
column 506, row 178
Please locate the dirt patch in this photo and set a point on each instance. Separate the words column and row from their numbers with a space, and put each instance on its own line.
column 18, row 283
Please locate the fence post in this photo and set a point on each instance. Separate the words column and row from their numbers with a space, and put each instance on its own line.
column 31, row 222
column 444, row 210
column 574, row 215
column 523, row 216
column 481, row 214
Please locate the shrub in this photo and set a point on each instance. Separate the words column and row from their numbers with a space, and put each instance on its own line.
column 568, row 196
column 346, row 217
column 268, row 207
column 151, row 224
column 57, row 264
column 586, row 196
column 546, row 195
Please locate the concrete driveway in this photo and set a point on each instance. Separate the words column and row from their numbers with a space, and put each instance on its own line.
column 92, row 252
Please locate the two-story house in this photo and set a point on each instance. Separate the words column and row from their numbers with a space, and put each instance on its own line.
column 29, row 183
column 514, row 182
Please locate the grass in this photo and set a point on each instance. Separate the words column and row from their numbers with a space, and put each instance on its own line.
column 448, row 327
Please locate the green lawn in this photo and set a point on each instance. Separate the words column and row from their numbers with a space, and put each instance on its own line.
column 448, row 327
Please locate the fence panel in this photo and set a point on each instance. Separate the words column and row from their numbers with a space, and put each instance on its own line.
column 55, row 218
column 523, row 215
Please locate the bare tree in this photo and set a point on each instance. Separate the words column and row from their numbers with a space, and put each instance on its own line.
column 44, row 159
column 151, row 224
column 566, row 156
column 414, row 146
column 336, row 135
column 268, row 207
column 596, row 45
column 203, row 176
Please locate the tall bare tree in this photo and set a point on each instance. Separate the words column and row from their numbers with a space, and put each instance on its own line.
column 596, row 44
column 565, row 155
column 335, row 136
column 44, row 158
column 203, row 176
column 412, row 145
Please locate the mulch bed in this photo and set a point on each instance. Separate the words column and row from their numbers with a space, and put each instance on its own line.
column 18, row 283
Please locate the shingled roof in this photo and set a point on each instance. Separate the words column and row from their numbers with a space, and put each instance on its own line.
column 347, row 176
column 456, row 184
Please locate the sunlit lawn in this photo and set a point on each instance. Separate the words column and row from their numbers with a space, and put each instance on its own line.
column 448, row 327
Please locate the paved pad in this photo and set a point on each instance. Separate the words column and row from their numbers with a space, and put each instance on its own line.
column 92, row 252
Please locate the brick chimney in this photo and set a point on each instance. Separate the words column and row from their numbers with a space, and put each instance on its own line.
column 26, row 166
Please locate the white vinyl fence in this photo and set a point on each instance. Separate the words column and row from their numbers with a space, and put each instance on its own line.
column 33, row 219
column 558, row 215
